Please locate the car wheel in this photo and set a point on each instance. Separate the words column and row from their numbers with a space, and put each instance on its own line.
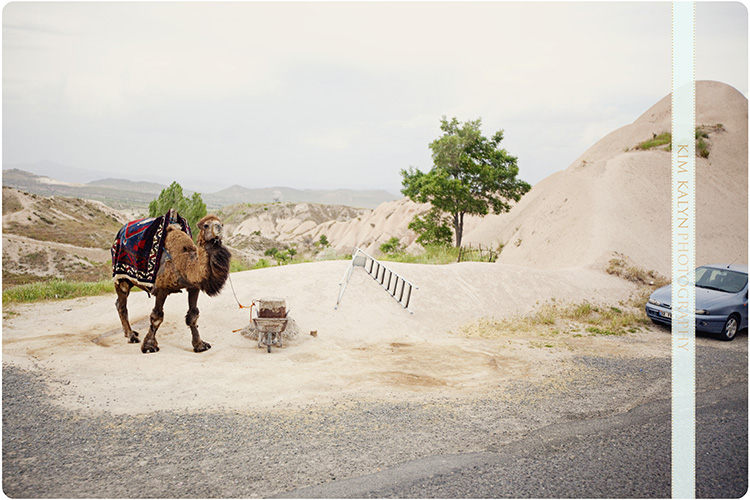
column 730, row 328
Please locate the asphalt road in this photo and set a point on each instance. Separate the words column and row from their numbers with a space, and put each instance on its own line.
column 627, row 456
column 603, row 433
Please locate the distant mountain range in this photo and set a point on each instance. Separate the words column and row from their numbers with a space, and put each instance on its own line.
column 50, row 179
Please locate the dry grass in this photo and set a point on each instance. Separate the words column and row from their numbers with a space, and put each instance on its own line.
column 554, row 319
column 64, row 220
column 620, row 267
column 11, row 203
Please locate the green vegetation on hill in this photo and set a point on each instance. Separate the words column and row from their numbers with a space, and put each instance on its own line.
column 658, row 140
column 702, row 133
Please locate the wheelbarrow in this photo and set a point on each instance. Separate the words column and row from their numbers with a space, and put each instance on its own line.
column 270, row 329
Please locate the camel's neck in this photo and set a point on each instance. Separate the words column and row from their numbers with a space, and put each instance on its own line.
column 203, row 267
column 213, row 266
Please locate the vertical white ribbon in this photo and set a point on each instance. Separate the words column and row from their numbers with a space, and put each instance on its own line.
column 683, row 249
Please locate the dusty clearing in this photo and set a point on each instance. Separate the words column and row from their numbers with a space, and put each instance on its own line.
column 369, row 348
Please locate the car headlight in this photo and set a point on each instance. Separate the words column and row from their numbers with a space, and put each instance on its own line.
column 703, row 312
column 654, row 301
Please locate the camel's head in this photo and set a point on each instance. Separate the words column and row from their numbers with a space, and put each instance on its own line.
column 211, row 230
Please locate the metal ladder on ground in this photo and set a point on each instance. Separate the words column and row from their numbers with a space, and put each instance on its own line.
column 396, row 286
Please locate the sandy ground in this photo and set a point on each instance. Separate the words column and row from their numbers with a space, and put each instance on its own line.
column 370, row 346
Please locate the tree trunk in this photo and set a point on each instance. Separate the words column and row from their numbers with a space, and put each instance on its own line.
column 458, row 227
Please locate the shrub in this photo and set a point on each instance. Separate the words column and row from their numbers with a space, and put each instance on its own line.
column 659, row 140
column 702, row 148
column 238, row 265
column 262, row 264
column 392, row 246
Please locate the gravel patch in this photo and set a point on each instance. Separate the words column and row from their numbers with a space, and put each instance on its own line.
column 52, row 452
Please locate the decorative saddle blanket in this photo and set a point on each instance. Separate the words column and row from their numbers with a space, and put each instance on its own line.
column 137, row 249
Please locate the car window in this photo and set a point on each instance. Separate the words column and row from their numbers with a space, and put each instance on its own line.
column 720, row 279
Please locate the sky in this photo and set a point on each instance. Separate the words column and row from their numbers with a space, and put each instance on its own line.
column 337, row 94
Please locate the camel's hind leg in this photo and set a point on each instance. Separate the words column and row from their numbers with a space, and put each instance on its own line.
column 157, row 316
column 192, row 321
column 122, row 288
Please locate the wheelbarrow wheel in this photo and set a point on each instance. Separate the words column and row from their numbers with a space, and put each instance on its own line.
column 269, row 347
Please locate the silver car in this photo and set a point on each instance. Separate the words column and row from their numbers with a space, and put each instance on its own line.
column 720, row 300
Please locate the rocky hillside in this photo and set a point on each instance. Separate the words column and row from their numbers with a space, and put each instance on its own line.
column 55, row 237
column 70, row 238
column 616, row 196
column 253, row 229
column 347, row 197
column 375, row 228
column 124, row 194
column 127, row 196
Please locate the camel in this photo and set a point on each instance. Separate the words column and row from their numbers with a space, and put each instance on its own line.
column 183, row 265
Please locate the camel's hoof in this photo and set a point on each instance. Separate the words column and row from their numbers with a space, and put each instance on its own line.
column 203, row 346
column 145, row 349
column 134, row 338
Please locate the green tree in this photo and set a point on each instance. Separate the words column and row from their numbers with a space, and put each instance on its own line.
column 323, row 241
column 392, row 246
column 471, row 175
column 193, row 208
column 433, row 228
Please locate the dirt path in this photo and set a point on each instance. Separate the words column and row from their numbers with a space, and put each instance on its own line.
column 370, row 346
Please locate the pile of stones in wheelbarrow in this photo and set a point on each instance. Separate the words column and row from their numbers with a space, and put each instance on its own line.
column 272, row 308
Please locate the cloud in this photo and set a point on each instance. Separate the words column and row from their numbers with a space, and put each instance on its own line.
column 337, row 139
column 335, row 92
column 420, row 121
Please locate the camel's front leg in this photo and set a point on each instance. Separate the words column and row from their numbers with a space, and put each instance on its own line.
column 192, row 321
column 122, row 288
column 157, row 316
